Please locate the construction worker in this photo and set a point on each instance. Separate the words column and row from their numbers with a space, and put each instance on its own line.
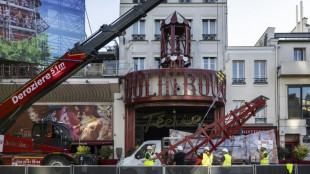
column 207, row 157
column 149, row 160
column 226, row 159
column 179, row 157
column 264, row 156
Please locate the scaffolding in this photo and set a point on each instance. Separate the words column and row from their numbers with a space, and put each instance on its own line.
column 66, row 19
column 20, row 19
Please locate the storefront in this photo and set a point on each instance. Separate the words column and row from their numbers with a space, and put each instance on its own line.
column 161, row 100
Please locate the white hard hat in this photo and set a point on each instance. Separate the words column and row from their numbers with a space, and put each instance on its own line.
column 225, row 150
column 180, row 148
column 206, row 148
column 149, row 148
column 264, row 146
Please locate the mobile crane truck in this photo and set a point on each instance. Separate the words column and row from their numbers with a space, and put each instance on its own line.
column 51, row 141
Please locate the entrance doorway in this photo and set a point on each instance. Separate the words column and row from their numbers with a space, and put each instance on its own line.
column 291, row 141
column 154, row 123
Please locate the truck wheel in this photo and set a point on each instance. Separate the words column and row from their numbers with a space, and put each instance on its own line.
column 57, row 161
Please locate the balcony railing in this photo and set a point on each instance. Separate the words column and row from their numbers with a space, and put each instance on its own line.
column 208, row 36
column 260, row 81
column 102, row 69
column 185, row 1
column 260, row 120
column 138, row 1
column 238, row 81
column 157, row 36
column 138, row 37
column 208, row 1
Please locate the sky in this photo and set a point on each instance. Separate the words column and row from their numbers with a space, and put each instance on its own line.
column 247, row 19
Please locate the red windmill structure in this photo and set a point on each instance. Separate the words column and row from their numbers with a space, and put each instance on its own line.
column 175, row 42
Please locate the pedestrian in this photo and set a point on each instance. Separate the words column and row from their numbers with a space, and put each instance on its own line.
column 226, row 158
column 179, row 157
column 207, row 157
column 149, row 160
column 264, row 156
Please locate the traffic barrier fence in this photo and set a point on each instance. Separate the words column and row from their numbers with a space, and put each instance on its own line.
column 99, row 169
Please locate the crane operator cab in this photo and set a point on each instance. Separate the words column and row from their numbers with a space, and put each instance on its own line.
column 51, row 133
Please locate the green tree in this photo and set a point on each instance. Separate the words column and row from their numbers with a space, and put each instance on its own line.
column 35, row 50
column 301, row 152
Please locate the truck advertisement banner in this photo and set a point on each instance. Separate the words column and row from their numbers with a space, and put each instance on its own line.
column 85, row 122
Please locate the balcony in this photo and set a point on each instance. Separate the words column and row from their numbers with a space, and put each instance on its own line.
column 260, row 81
column 237, row 81
column 138, row 1
column 137, row 37
column 157, row 36
column 208, row 36
column 208, row 1
column 185, row 1
column 294, row 68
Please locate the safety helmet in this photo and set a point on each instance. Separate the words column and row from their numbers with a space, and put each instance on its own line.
column 264, row 146
column 207, row 148
column 225, row 150
column 149, row 148
column 180, row 148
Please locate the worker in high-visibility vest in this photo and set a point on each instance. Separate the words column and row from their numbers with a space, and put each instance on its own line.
column 207, row 157
column 149, row 160
column 226, row 158
column 264, row 156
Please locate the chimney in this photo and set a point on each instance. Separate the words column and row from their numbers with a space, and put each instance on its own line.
column 301, row 11
column 297, row 19
column 301, row 16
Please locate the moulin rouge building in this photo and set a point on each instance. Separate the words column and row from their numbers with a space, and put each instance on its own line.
column 171, row 57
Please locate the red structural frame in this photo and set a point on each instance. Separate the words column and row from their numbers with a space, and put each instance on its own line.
column 217, row 132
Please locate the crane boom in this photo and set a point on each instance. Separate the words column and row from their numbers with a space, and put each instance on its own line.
column 70, row 63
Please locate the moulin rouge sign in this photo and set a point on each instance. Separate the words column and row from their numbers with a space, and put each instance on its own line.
column 161, row 83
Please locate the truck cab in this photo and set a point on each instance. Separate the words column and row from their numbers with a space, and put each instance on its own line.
column 137, row 158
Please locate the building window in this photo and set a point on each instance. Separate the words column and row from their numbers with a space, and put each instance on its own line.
column 157, row 30
column 238, row 72
column 138, row 63
column 260, row 72
column 157, row 63
column 299, row 54
column 138, row 32
column 260, row 117
column 209, row 63
column 237, row 104
column 208, row 29
column 299, row 101
column 185, row 1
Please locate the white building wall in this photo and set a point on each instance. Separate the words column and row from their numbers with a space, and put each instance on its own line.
column 118, row 123
column 200, row 48
column 249, row 91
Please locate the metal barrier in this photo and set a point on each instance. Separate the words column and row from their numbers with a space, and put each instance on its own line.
column 273, row 169
column 48, row 169
column 186, row 170
column 233, row 170
column 13, row 169
column 94, row 169
column 140, row 170
column 303, row 169
column 88, row 169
